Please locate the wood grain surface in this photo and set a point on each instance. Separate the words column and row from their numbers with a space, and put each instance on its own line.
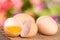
column 37, row 37
column 41, row 37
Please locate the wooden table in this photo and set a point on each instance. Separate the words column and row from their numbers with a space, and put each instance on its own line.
column 37, row 37
column 41, row 37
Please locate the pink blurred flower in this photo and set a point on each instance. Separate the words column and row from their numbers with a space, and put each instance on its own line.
column 38, row 5
column 3, row 12
column 0, row 6
column 54, row 18
column 35, row 2
column 17, row 4
column 6, row 4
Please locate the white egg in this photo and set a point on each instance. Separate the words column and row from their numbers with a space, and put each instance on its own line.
column 46, row 25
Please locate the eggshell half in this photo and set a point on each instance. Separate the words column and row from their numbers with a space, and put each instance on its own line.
column 30, row 29
column 47, row 25
column 29, row 26
column 23, row 18
column 11, row 22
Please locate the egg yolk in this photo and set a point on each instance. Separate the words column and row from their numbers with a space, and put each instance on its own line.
column 14, row 29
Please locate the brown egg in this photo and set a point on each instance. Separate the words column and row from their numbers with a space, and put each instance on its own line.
column 47, row 25
column 29, row 27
